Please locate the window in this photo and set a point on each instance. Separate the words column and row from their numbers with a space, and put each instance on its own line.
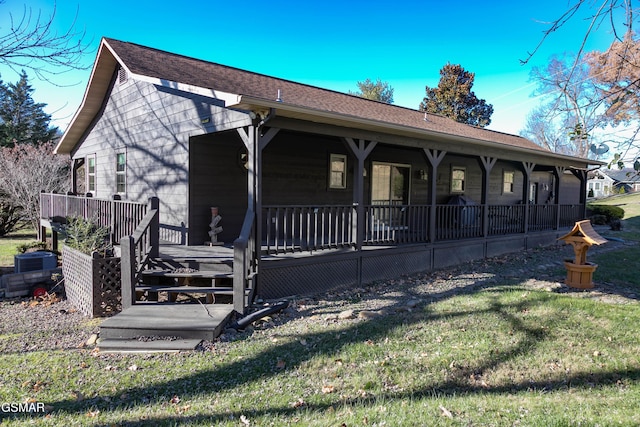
column 91, row 173
column 390, row 184
column 121, row 177
column 507, row 181
column 338, row 171
column 458, row 179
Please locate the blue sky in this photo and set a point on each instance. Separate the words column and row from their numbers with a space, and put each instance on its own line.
column 331, row 44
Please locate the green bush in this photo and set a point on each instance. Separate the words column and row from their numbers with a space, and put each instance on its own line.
column 34, row 244
column 610, row 212
column 85, row 236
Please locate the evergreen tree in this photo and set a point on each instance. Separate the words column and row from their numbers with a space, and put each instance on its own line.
column 377, row 91
column 22, row 120
column 453, row 98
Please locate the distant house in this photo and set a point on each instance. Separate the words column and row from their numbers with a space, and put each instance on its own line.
column 599, row 184
column 625, row 180
column 336, row 190
column 605, row 182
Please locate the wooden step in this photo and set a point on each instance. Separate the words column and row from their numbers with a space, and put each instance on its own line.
column 220, row 290
column 185, row 321
column 192, row 275
column 136, row 345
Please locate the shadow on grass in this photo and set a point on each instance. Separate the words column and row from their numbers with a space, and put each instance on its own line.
column 326, row 343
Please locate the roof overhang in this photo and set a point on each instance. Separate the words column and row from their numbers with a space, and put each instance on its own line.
column 94, row 97
column 250, row 103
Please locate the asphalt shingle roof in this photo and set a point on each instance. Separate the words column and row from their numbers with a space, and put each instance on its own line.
column 177, row 68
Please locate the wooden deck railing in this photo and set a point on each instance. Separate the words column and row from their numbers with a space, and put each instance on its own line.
column 396, row 224
column 245, row 267
column 506, row 219
column 307, row 228
column 137, row 250
column 310, row 228
column 458, row 221
column 121, row 217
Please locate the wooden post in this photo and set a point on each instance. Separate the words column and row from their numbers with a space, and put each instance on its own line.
column 435, row 157
column 487, row 164
column 581, row 174
column 240, row 271
column 128, row 271
column 361, row 151
column 527, row 168
column 154, row 228
column 558, row 171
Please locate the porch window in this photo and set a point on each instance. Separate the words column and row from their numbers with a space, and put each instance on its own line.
column 507, row 181
column 338, row 171
column 91, row 173
column 390, row 184
column 458, row 175
column 121, row 178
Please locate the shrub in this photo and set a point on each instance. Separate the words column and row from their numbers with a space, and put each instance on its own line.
column 598, row 219
column 34, row 244
column 610, row 212
column 85, row 236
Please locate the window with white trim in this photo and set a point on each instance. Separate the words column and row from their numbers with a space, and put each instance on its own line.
column 91, row 173
column 121, row 172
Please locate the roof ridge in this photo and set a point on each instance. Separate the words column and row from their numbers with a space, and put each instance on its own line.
column 337, row 92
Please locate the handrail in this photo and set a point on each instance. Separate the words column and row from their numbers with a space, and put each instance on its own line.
column 137, row 250
column 245, row 262
column 120, row 216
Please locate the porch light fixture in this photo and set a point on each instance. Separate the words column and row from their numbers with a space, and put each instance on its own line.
column 422, row 175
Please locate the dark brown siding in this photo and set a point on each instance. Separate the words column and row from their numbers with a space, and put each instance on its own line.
column 218, row 179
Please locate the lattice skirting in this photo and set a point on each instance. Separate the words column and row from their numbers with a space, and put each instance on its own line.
column 92, row 284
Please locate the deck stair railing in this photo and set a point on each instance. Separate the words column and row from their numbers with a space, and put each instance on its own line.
column 137, row 250
column 245, row 264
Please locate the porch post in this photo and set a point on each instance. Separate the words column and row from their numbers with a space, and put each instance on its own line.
column 557, row 172
column 487, row 164
column 361, row 151
column 581, row 174
column 261, row 143
column 528, row 169
column 435, row 157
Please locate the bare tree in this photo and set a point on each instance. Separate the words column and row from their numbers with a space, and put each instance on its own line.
column 615, row 71
column 27, row 170
column 572, row 105
column 32, row 43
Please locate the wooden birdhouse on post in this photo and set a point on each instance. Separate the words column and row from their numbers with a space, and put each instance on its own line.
column 579, row 271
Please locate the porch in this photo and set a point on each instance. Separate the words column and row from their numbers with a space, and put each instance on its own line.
column 303, row 249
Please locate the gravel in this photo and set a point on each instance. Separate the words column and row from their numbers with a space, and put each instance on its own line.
column 52, row 323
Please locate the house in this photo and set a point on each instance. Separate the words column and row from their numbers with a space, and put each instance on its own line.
column 599, row 184
column 626, row 180
column 332, row 189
